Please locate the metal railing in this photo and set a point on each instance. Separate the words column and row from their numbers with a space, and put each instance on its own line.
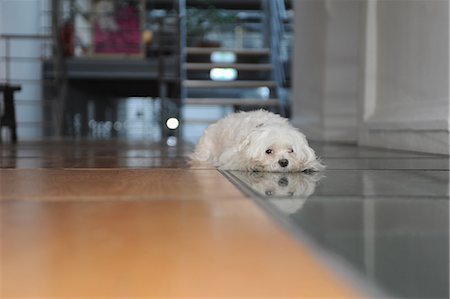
column 171, row 54
column 16, row 53
column 275, row 11
column 7, row 58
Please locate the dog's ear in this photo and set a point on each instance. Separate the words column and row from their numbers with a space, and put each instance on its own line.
column 312, row 163
column 307, row 154
column 300, row 142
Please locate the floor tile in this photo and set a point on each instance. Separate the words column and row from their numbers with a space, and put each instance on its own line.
column 417, row 163
column 113, row 184
column 163, row 248
column 400, row 245
column 347, row 183
column 383, row 213
column 93, row 154
column 337, row 150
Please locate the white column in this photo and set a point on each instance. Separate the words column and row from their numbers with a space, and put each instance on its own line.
column 308, row 70
column 374, row 72
column 326, row 68
column 405, row 94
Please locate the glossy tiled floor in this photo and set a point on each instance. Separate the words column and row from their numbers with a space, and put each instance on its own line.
column 117, row 219
column 383, row 213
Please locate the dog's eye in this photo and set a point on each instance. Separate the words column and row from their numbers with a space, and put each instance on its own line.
column 291, row 150
column 269, row 151
column 269, row 193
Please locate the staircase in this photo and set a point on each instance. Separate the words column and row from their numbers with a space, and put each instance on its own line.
column 240, row 76
column 253, row 70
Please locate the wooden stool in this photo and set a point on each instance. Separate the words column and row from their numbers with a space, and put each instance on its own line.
column 8, row 118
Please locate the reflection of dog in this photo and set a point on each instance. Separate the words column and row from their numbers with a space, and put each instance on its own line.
column 287, row 191
column 255, row 141
column 280, row 184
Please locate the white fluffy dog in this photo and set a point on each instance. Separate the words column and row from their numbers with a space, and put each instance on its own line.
column 255, row 141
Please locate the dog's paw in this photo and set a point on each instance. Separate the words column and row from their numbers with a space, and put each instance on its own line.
column 314, row 166
column 257, row 168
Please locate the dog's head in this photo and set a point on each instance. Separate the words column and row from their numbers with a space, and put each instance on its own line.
column 278, row 149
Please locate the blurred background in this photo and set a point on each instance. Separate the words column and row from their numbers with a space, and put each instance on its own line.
column 364, row 72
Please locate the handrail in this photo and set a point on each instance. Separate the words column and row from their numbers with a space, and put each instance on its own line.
column 182, row 47
column 277, row 29
column 25, row 36
column 276, row 12
column 172, row 100
column 8, row 38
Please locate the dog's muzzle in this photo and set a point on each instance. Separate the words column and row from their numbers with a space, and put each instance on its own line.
column 283, row 162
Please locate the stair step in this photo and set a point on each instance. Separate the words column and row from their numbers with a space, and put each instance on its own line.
column 231, row 101
column 255, row 52
column 192, row 66
column 227, row 84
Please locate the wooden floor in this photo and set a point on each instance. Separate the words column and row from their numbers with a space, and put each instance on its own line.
column 89, row 219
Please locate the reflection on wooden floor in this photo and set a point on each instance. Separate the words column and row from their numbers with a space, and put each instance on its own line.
column 93, row 154
column 147, row 232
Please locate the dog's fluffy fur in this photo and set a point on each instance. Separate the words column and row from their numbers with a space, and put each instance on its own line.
column 255, row 141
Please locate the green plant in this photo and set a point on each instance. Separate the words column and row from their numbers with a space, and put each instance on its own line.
column 201, row 20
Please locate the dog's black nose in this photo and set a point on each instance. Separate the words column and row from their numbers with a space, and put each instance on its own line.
column 283, row 162
column 283, row 182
